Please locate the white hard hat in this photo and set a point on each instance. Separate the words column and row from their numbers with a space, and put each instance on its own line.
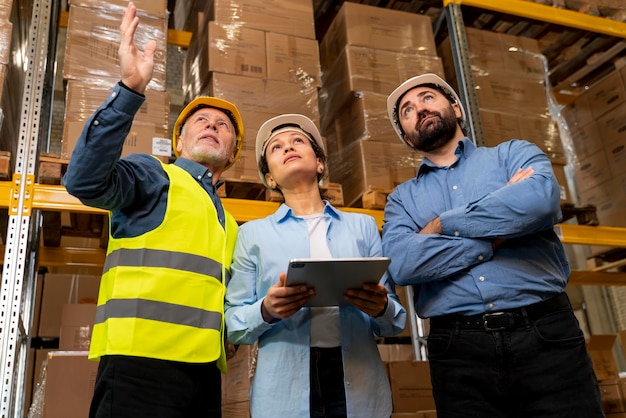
column 284, row 123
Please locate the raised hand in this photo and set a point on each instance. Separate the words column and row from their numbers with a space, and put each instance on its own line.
column 135, row 67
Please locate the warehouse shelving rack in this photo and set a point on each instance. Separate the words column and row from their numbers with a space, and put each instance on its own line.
column 24, row 198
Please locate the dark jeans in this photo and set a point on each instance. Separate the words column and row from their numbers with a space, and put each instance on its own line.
column 538, row 369
column 328, row 395
column 136, row 387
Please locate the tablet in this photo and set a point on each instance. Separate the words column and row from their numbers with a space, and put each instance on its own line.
column 332, row 277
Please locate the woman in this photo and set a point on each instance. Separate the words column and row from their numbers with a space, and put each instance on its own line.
column 317, row 362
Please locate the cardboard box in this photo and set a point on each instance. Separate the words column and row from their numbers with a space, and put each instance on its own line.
column 156, row 8
column 6, row 31
column 607, row 356
column 77, row 320
column 504, row 92
column 293, row 59
column 267, row 97
column 578, row 113
column 144, row 138
column 150, row 129
column 411, row 389
column 592, row 171
column 233, row 50
column 377, row 28
column 294, row 17
column 611, row 395
column 396, row 352
column 5, row 9
column 609, row 199
column 360, row 68
column 363, row 114
column 501, row 126
column 70, row 382
column 616, row 156
column 561, row 178
column 60, row 289
column 241, row 368
column 91, row 49
column 606, row 94
column 236, row 410
column 492, row 51
column 585, row 140
column 366, row 165
column 612, row 125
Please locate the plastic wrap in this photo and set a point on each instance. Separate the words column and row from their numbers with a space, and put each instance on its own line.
column 91, row 50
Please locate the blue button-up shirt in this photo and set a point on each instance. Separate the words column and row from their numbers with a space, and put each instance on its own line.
column 133, row 188
column 458, row 271
column 280, row 387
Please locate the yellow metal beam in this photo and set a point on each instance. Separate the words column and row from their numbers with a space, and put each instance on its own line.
column 597, row 278
column 70, row 256
column 56, row 198
column 549, row 14
column 591, row 235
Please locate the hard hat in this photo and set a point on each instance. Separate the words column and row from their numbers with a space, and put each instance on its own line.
column 214, row 102
column 411, row 83
column 283, row 123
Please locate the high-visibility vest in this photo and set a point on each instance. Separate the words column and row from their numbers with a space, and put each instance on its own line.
column 162, row 293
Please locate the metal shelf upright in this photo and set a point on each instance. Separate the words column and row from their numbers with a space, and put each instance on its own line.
column 19, row 268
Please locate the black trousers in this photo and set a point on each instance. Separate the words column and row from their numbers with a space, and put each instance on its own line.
column 328, row 394
column 137, row 387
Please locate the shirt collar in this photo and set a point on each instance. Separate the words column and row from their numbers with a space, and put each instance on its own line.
column 197, row 170
column 463, row 150
column 284, row 212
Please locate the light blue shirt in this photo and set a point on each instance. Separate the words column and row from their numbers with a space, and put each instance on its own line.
column 458, row 271
column 280, row 387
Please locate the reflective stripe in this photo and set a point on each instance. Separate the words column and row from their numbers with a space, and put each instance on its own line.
column 158, row 311
column 145, row 257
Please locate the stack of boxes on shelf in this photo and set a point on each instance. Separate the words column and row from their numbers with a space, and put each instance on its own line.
column 596, row 121
column 9, row 103
column 608, row 355
column 260, row 55
column 365, row 54
column 6, row 30
column 61, row 378
column 91, row 68
column 513, row 101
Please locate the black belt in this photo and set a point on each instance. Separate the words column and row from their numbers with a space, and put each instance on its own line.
column 502, row 320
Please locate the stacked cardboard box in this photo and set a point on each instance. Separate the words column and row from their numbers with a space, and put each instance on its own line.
column 236, row 383
column 510, row 74
column 365, row 54
column 609, row 363
column 91, row 68
column 260, row 55
column 596, row 121
column 61, row 379
column 6, row 33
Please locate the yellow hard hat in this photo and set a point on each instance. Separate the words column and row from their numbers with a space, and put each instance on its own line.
column 207, row 101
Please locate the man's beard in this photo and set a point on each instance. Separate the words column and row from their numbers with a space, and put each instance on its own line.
column 436, row 133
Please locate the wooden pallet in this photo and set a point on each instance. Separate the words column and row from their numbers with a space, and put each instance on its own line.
column 5, row 165
column 51, row 168
column 372, row 198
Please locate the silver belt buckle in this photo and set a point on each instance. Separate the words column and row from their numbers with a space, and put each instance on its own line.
column 498, row 326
